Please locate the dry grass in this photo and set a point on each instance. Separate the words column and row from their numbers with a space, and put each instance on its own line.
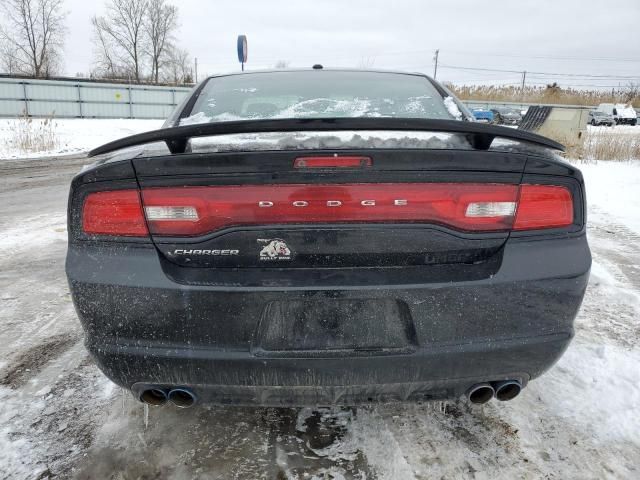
column 609, row 145
column 616, row 144
column 31, row 135
column 549, row 94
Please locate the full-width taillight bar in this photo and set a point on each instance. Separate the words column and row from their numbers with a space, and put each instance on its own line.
column 198, row 210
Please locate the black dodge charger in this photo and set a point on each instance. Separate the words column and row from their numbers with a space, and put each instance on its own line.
column 326, row 237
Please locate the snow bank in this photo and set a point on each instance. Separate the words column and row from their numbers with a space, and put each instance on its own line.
column 74, row 135
column 617, row 129
column 605, row 377
column 613, row 189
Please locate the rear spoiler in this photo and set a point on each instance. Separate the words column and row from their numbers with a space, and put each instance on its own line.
column 479, row 135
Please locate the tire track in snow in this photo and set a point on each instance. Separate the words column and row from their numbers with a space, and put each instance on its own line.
column 459, row 441
column 620, row 246
column 31, row 361
column 612, row 303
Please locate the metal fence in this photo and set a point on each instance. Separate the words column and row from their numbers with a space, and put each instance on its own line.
column 77, row 99
column 82, row 99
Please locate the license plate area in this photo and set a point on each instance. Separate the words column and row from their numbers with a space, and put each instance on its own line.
column 329, row 327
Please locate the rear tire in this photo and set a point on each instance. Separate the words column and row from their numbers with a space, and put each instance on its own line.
column 593, row 122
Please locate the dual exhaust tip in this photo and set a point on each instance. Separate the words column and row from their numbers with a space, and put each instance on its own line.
column 504, row 390
column 180, row 397
column 479, row 394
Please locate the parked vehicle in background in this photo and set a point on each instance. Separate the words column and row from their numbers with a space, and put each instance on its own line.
column 482, row 115
column 506, row 116
column 600, row 118
column 623, row 114
column 418, row 261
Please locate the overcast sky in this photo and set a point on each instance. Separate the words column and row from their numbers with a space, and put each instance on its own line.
column 597, row 42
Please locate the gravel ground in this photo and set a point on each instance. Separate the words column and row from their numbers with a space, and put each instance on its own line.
column 62, row 419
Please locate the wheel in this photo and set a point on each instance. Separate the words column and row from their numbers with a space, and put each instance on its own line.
column 593, row 122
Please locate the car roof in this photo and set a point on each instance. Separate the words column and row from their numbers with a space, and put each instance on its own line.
column 297, row 70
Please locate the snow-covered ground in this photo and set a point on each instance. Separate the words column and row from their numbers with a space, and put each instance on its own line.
column 616, row 129
column 73, row 136
column 613, row 191
column 61, row 418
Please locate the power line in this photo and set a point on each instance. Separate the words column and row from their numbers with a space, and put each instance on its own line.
column 342, row 55
column 478, row 69
column 531, row 76
column 547, row 57
column 580, row 85
column 550, row 74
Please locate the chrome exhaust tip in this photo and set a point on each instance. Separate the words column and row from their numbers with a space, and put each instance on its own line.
column 507, row 389
column 154, row 396
column 182, row 397
column 480, row 393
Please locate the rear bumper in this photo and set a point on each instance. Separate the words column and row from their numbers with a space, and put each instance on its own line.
column 143, row 328
column 428, row 374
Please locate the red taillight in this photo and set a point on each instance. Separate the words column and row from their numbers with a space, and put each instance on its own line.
column 115, row 212
column 463, row 206
column 192, row 211
column 543, row 206
column 339, row 161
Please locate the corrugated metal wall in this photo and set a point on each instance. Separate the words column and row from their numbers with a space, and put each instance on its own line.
column 75, row 99
column 69, row 99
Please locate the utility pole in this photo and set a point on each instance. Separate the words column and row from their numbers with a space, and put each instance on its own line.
column 196, row 68
column 435, row 68
column 524, row 77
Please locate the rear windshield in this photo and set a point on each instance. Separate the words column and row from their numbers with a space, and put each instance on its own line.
column 319, row 94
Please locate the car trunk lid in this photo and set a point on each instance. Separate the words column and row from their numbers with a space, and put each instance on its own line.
column 329, row 209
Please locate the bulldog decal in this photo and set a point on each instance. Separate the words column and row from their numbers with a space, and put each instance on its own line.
column 275, row 249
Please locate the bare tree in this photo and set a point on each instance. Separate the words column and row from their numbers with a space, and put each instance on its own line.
column 178, row 67
column 9, row 58
column 281, row 64
column 32, row 36
column 106, row 63
column 160, row 24
column 120, row 36
column 631, row 92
